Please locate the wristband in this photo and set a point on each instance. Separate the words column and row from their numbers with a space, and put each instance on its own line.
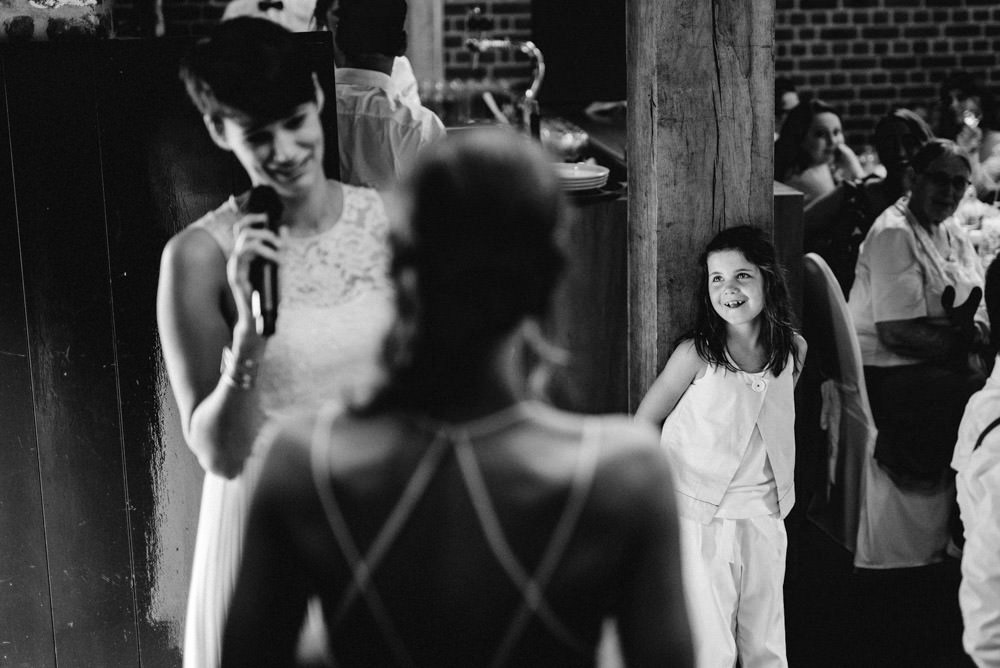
column 240, row 374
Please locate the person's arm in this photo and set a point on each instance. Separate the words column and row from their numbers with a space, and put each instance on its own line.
column 652, row 619
column 979, row 592
column 195, row 280
column 801, row 348
column 661, row 398
column 269, row 602
column 900, row 309
column 847, row 162
column 921, row 338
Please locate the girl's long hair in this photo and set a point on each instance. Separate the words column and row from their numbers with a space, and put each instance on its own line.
column 777, row 331
column 475, row 253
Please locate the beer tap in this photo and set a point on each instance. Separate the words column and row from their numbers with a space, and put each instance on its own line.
column 528, row 103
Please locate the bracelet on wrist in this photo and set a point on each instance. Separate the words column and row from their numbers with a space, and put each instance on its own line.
column 240, row 374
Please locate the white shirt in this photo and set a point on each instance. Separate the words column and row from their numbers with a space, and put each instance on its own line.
column 901, row 274
column 404, row 81
column 380, row 132
column 978, row 487
column 707, row 437
column 295, row 15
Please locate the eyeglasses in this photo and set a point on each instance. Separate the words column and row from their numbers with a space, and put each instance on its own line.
column 944, row 180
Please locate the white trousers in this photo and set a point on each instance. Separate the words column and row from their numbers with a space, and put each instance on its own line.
column 733, row 576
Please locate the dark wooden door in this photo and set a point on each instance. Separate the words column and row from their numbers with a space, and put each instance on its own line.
column 103, row 159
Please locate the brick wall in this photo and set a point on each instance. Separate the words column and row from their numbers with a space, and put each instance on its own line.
column 511, row 18
column 868, row 56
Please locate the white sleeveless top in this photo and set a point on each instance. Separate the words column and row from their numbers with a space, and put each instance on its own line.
column 726, row 438
column 335, row 304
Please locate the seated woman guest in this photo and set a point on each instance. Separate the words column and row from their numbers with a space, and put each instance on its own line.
column 451, row 521
column 810, row 154
column 836, row 223
column 917, row 287
column 968, row 115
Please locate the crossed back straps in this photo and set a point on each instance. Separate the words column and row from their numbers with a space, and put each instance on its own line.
column 459, row 440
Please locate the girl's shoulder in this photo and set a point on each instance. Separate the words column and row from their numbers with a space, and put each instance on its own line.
column 801, row 347
column 686, row 362
column 686, row 351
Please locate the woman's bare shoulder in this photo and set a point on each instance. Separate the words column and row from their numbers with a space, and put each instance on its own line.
column 631, row 456
column 350, row 444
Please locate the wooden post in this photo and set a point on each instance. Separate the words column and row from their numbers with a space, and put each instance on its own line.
column 425, row 29
column 700, row 154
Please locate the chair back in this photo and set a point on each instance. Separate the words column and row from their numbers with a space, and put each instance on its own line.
column 862, row 509
column 849, row 425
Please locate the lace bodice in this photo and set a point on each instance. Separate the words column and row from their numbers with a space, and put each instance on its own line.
column 334, row 306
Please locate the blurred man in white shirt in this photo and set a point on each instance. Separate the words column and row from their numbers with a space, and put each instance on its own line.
column 977, row 462
column 381, row 131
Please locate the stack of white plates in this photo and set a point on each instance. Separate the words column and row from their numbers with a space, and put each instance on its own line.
column 581, row 175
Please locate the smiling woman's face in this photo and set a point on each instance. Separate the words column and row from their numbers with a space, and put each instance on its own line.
column 938, row 190
column 896, row 145
column 823, row 138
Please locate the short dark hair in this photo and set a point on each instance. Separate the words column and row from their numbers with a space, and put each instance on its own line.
column 248, row 65
column 934, row 149
column 371, row 26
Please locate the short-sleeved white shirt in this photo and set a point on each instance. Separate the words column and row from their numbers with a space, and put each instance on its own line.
column 901, row 274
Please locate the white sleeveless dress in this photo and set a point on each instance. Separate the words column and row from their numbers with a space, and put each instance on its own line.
column 335, row 305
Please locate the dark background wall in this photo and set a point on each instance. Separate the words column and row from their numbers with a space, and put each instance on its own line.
column 104, row 159
column 867, row 56
column 864, row 56
column 512, row 18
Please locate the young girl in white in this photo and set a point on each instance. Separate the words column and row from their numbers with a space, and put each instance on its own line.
column 725, row 399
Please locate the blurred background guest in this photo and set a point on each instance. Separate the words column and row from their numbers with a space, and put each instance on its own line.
column 453, row 521
column 786, row 98
column 977, row 481
column 915, row 296
column 404, row 82
column 810, row 154
column 836, row 223
column 381, row 132
column 968, row 115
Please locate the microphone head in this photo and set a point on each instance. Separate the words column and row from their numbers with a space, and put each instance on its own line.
column 263, row 199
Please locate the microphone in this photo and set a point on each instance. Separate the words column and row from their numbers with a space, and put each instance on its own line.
column 264, row 273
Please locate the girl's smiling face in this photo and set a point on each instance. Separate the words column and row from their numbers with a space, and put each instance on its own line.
column 735, row 287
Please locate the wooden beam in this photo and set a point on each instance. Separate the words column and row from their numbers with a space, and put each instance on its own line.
column 700, row 154
column 425, row 28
